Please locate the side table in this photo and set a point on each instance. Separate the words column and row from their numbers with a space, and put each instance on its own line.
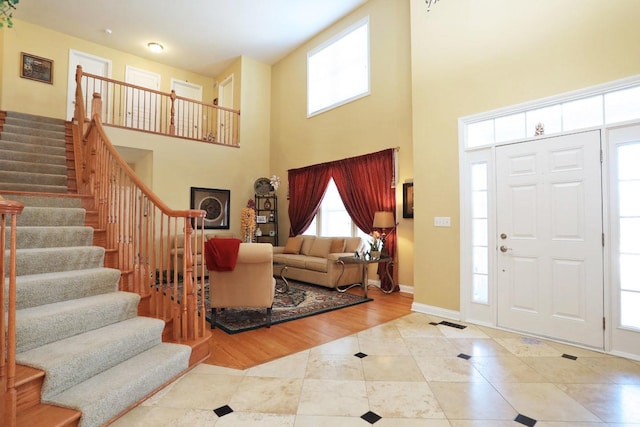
column 364, row 262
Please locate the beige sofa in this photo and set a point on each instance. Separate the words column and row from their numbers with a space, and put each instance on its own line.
column 250, row 284
column 314, row 260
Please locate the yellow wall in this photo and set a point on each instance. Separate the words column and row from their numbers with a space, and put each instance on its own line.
column 33, row 97
column 468, row 57
column 381, row 120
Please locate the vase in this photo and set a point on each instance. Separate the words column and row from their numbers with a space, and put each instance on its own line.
column 374, row 254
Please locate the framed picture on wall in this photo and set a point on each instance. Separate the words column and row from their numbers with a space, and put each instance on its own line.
column 407, row 200
column 35, row 68
column 213, row 201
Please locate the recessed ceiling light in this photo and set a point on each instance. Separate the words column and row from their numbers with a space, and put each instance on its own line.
column 155, row 47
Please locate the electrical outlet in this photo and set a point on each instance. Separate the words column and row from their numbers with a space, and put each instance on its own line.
column 442, row 221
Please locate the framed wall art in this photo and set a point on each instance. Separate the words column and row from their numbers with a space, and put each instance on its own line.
column 215, row 202
column 35, row 68
column 407, row 200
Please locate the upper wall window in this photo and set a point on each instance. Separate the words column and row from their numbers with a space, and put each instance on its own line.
column 338, row 70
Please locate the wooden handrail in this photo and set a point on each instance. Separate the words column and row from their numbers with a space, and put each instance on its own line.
column 143, row 235
column 8, row 395
column 148, row 110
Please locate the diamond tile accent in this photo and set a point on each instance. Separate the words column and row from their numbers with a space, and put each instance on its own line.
column 568, row 356
column 524, row 420
column 223, row 410
column 464, row 356
column 371, row 417
column 361, row 355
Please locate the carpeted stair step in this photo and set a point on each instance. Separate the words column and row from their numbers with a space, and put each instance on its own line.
column 51, row 216
column 21, row 156
column 15, row 177
column 47, row 288
column 32, row 167
column 33, row 188
column 51, row 237
column 38, row 326
column 46, row 260
column 42, row 201
column 32, row 148
column 32, row 139
column 75, row 359
column 107, row 394
column 56, row 125
column 32, row 117
column 33, row 131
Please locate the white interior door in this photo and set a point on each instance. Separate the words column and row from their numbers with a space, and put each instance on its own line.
column 93, row 65
column 549, row 224
column 225, row 120
column 624, row 151
column 188, row 115
column 141, row 106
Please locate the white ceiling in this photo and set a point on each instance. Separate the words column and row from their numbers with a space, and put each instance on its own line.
column 203, row 36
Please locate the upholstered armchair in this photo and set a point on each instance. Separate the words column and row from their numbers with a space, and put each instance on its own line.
column 196, row 247
column 250, row 284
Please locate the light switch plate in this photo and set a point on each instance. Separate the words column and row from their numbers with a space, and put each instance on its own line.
column 442, row 221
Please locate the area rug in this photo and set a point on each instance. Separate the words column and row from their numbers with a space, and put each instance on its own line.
column 301, row 300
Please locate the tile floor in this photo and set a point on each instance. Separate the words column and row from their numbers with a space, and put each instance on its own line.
column 409, row 372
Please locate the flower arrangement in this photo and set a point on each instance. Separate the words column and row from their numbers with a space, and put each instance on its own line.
column 248, row 220
column 376, row 241
column 275, row 182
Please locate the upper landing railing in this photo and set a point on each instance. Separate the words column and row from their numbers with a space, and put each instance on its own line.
column 135, row 107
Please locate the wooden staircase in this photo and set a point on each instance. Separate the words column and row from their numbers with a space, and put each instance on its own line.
column 31, row 412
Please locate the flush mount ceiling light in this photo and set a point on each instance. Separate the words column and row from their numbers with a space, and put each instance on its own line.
column 155, row 47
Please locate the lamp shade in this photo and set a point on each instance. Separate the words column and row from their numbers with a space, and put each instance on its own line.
column 383, row 220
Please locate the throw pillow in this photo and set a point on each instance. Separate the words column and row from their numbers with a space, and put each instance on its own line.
column 293, row 245
column 353, row 244
column 320, row 247
column 307, row 241
column 337, row 246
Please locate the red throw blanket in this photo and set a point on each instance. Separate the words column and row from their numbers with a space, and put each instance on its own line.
column 221, row 254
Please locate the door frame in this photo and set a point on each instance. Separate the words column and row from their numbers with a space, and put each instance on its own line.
column 486, row 313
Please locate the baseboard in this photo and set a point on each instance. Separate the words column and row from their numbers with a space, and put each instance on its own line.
column 435, row 311
column 403, row 288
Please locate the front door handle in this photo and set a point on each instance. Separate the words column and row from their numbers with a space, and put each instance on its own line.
column 504, row 249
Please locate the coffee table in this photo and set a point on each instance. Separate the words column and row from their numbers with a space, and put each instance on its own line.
column 284, row 286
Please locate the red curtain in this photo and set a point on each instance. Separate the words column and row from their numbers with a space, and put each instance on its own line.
column 365, row 187
column 306, row 190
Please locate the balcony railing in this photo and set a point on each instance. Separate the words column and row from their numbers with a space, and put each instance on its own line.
column 135, row 107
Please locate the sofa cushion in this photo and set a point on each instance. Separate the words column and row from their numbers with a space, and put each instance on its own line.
column 293, row 246
column 316, row 264
column 297, row 261
column 320, row 247
column 307, row 242
column 352, row 244
column 337, row 245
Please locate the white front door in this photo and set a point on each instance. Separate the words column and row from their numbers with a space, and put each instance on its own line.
column 549, row 243
column 188, row 115
column 93, row 65
column 142, row 106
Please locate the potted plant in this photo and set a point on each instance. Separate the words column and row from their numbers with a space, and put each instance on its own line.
column 6, row 12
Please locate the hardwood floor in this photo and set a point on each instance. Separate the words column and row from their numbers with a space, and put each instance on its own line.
column 247, row 349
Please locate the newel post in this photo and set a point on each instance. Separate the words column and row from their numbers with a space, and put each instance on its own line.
column 172, row 123
column 96, row 105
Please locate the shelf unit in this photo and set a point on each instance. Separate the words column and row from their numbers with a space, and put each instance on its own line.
column 267, row 207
